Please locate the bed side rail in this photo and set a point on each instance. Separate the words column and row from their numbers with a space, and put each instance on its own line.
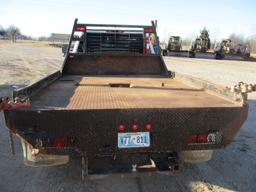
column 237, row 93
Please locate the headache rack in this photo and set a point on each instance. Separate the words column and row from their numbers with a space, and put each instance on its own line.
column 93, row 38
column 105, row 49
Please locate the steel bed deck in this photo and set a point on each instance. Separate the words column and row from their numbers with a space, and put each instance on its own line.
column 79, row 92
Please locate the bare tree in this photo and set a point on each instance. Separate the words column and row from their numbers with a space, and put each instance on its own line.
column 251, row 42
column 237, row 39
column 12, row 32
column 187, row 41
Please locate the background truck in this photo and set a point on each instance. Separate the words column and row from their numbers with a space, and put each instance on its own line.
column 116, row 105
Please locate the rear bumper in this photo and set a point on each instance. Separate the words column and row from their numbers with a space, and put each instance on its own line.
column 95, row 131
column 94, row 135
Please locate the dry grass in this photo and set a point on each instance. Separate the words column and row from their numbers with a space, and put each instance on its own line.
column 28, row 42
column 24, row 62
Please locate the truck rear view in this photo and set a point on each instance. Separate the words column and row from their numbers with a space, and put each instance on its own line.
column 115, row 103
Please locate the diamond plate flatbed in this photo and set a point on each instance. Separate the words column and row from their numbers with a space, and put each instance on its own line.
column 79, row 92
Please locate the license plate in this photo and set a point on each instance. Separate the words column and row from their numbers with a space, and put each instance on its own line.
column 132, row 140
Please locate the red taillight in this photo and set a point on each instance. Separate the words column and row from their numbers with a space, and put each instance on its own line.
column 59, row 142
column 148, row 30
column 210, row 138
column 135, row 127
column 202, row 138
column 148, row 126
column 192, row 139
column 121, row 127
column 80, row 28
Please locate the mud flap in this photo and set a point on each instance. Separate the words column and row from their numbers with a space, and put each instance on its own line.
column 33, row 158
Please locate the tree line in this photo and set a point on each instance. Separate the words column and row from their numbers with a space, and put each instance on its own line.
column 13, row 33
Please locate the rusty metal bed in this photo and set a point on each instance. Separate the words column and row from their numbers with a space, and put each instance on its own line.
column 79, row 92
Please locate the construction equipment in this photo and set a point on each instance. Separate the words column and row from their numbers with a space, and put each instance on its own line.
column 175, row 43
column 174, row 48
column 202, row 43
column 227, row 50
column 198, row 49
column 115, row 103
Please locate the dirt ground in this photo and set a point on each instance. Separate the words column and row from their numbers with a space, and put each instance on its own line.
column 231, row 169
column 25, row 62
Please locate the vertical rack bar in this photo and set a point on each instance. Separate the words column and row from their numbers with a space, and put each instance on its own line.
column 85, row 41
column 144, row 42
column 69, row 44
column 71, row 36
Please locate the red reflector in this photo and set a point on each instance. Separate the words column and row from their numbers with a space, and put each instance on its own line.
column 202, row 138
column 80, row 28
column 192, row 138
column 135, row 127
column 59, row 142
column 121, row 127
column 148, row 126
column 148, row 30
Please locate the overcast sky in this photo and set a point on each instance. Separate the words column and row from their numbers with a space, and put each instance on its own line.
column 177, row 17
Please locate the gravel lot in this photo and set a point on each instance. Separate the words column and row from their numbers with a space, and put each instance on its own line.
column 231, row 169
